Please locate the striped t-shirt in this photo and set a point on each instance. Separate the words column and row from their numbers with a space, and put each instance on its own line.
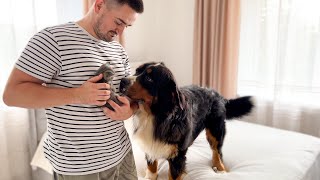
column 81, row 139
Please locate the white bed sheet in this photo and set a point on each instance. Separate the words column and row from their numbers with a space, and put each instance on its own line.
column 250, row 152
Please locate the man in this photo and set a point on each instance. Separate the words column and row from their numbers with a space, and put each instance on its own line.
column 56, row 71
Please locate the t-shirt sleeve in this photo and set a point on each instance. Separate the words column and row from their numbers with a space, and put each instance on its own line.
column 41, row 58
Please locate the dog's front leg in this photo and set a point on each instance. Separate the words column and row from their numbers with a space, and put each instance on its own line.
column 152, row 169
column 177, row 166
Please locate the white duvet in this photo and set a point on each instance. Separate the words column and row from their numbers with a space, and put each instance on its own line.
column 250, row 152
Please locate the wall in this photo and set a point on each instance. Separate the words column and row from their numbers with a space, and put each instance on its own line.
column 69, row 10
column 164, row 32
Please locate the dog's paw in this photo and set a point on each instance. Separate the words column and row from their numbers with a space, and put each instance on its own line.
column 184, row 175
column 150, row 175
column 215, row 169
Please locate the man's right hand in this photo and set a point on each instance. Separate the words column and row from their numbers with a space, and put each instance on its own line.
column 23, row 90
column 93, row 93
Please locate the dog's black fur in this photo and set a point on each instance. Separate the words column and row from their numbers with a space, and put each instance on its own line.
column 178, row 115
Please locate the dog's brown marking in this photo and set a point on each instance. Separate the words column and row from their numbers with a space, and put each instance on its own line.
column 137, row 92
column 153, row 166
column 180, row 177
column 216, row 159
column 149, row 70
column 174, row 151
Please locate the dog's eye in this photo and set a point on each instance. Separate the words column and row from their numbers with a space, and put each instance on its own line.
column 149, row 79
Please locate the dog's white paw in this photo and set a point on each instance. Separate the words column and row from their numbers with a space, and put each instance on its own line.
column 150, row 175
column 215, row 169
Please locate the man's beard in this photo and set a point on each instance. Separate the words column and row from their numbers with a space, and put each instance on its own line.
column 103, row 36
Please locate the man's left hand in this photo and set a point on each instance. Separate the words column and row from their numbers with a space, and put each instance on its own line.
column 122, row 112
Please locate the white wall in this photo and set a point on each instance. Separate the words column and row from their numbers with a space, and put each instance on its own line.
column 69, row 10
column 164, row 32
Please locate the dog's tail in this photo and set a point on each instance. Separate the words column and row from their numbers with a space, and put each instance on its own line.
column 239, row 107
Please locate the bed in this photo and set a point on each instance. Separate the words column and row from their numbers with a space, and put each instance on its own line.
column 250, row 152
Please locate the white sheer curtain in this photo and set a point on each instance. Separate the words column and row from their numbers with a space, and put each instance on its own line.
column 279, row 62
column 19, row 20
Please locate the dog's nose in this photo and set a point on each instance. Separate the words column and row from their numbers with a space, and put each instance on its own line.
column 124, row 84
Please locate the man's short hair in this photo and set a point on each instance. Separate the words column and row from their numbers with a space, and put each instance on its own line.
column 136, row 5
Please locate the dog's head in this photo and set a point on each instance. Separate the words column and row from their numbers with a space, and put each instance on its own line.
column 154, row 85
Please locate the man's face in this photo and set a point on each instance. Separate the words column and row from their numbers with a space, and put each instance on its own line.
column 111, row 22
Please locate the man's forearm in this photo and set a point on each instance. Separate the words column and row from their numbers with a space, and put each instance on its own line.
column 33, row 95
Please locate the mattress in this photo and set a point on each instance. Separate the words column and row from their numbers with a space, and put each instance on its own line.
column 250, row 152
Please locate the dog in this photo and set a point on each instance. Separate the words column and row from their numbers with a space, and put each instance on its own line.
column 170, row 118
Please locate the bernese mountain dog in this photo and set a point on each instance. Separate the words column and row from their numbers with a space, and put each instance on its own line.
column 168, row 118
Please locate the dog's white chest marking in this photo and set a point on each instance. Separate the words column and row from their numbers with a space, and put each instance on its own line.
column 143, row 135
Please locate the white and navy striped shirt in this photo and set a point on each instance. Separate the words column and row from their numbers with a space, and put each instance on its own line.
column 81, row 139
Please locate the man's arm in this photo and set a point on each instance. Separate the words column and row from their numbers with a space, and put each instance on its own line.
column 23, row 90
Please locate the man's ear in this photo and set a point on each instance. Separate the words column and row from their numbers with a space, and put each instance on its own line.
column 98, row 4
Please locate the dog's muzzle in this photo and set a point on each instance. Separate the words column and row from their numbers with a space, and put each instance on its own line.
column 125, row 83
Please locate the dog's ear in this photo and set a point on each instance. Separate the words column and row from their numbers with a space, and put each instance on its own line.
column 177, row 96
column 168, row 98
column 168, row 112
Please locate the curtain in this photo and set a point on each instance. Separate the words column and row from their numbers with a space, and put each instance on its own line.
column 86, row 7
column 14, row 144
column 216, row 45
column 279, row 62
column 19, row 20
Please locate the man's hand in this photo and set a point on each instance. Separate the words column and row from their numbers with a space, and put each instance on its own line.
column 24, row 90
column 122, row 112
column 93, row 93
